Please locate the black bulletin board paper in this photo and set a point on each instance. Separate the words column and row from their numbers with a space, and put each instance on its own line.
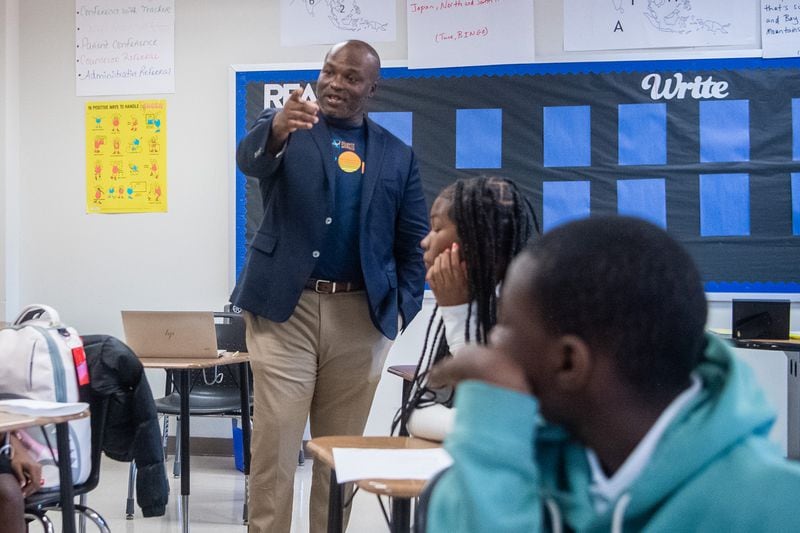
column 709, row 149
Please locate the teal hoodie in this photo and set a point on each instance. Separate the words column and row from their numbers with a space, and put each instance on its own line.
column 713, row 469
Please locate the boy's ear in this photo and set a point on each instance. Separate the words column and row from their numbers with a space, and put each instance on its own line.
column 575, row 364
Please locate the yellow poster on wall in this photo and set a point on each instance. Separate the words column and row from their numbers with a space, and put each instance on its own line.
column 126, row 156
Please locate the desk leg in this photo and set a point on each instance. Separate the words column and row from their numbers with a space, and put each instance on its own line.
column 244, row 389
column 401, row 515
column 335, row 505
column 793, row 407
column 65, row 478
column 406, row 395
column 185, row 453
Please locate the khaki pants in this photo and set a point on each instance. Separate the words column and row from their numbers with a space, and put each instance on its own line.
column 324, row 362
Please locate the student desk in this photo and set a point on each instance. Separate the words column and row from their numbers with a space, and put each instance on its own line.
column 183, row 367
column 11, row 422
column 400, row 490
column 791, row 348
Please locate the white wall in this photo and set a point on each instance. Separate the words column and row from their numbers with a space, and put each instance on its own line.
column 91, row 266
column 4, row 51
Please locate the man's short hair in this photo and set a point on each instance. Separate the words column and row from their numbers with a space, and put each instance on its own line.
column 629, row 291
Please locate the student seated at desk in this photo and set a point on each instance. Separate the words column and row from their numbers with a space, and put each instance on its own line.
column 20, row 476
column 477, row 226
column 601, row 405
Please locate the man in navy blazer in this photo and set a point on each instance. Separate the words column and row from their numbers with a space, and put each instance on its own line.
column 333, row 271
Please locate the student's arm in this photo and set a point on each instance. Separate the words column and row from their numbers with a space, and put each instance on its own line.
column 27, row 471
column 493, row 484
column 455, row 324
column 447, row 278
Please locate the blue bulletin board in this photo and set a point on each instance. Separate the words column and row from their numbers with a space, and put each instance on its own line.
column 708, row 149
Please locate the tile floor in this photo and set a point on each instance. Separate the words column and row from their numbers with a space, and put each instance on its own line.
column 215, row 504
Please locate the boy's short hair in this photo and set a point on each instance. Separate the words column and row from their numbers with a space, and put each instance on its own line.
column 629, row 291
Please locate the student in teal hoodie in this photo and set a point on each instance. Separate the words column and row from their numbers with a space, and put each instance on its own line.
column 601, row 405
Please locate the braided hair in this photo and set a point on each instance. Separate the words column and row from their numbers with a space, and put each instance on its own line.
column 494, row 222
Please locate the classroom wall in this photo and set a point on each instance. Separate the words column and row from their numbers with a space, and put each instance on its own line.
column 89, row 267
column 3, row 77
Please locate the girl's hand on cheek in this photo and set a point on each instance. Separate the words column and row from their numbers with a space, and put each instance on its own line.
column 448, row 278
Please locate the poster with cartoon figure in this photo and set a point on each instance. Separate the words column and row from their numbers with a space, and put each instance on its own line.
column 126, row 145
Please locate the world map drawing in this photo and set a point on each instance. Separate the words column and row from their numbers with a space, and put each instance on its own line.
column 673, row 16
column 343, row 15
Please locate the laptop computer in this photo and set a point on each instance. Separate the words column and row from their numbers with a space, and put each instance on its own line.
column 760, row 319
column 171, row 334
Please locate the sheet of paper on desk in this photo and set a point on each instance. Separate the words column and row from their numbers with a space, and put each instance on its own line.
column 370, row 463
column 25, row 406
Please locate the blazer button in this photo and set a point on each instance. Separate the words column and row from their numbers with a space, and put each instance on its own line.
column 328, row 220
column 315, row 254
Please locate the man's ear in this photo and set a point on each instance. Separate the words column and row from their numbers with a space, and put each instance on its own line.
column 574, row 364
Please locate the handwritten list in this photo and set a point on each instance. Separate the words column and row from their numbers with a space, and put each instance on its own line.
column 124, row 47
column 469, row 32
column 780, row 28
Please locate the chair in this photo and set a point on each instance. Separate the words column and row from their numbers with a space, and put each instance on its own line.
column 421, row 511
column 37, row 505
column 211, row 395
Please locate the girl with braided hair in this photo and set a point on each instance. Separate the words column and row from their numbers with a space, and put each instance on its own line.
column 477, row 226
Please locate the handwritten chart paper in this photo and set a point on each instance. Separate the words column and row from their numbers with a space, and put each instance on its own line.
column 305, row 22
column 625, row 24
column 780, row 28
column 126, row 157
column 469, row 32
column 124, row 47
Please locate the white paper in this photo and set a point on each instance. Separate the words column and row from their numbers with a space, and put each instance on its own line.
column 42, row 407
column 469, row 32
column 305, row 22
column 624, row 24
column 369, row 463
column 780, row 28
column 124, row 47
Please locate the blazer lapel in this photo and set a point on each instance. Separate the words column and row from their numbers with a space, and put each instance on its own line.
column 376, row 145
column 322, row 137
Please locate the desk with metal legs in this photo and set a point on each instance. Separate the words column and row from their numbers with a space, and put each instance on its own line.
column 11, row 422
column 400, row 490
column 183, row 367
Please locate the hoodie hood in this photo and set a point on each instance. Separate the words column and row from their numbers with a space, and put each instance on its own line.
column 729, row 410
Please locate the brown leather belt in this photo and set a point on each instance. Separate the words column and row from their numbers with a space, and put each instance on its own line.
column 324, row 286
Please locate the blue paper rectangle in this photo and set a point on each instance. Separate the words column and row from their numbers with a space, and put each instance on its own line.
column 642, row 134
column 724, row 204
column 567, row 136
column 796, row 129
column 479, row 138
column 724, row 131
column 564, row 201
column 399, row 123
column 796, row 203
column 643, row 198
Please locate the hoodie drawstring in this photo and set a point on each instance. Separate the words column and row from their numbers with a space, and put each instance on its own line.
column 619, row 513
column 616, row 519
column 555, row 515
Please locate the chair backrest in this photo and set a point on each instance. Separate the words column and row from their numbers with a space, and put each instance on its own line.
column 230, row 332
column 421, row 511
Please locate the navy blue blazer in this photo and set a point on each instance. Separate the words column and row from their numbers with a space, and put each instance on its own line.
column 297, row 191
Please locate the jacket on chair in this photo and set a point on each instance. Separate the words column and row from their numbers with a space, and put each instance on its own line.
column 131, row 431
